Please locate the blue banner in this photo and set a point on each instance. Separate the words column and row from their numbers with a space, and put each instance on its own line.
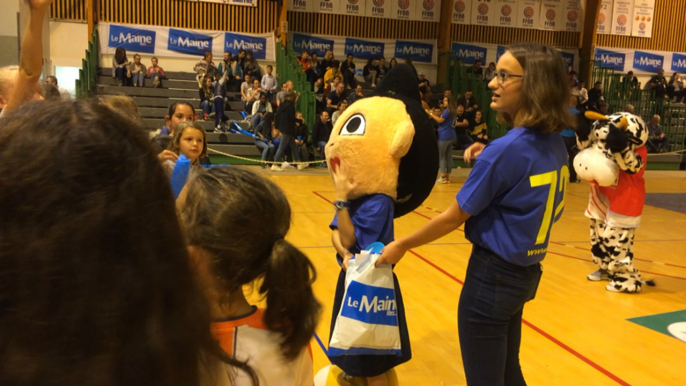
column 568, row 59
column 364, row 49
column 419, row 52
column 614, row 60
column 132, row 39
column 468, row 53
column 648, row 62
column 312, row 44
column 499, row 52
column 679, row 62
column 188, row 42
column 369, row 304
column 234, row 42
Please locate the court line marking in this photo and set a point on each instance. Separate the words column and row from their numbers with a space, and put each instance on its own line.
column 546, row 335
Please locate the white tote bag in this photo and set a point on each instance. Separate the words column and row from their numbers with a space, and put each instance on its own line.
column 367, row 323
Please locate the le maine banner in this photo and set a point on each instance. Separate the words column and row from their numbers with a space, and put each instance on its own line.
column 421, row 51
column 641, row 62
column 468, row 53
column 183, row 43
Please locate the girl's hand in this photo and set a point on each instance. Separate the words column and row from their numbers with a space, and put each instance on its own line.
column 342, row 181
column 346, row 258
column 167, row 155
column 473, row 151
column 391, row 254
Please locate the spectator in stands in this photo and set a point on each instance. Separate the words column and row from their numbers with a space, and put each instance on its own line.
column 269, row 82
column 461, row 124
column 207, row 98
column 573, row 78
column 285, row 123
column 120, row 67
column 302, row 140
column 657, row 140
column 250, row 65
column 235, row 76
column 219, row 89
column 595, row 95
column 356, row 95
column 318, row 88
column 424, row 83
column 630, row 78
column 603, row 108
column 264, row 131
column 19, row 84
column 583, row 95
column 447, row 92
column 321, row 131
column 674, row 84
column 392, row 63
column 64, row 93
column 478, row 129
column 569, row 137
column 629, row 109
column 156, row 73
column 408, row 61
column 490, row 72
column 178, row 112
column 304, row 61
column 446, row 137
column 288, row 86
column 658, row 83
column 381, row 69
column 468, row 102
column 316, row 66
column 51, row 93
column 190, row 140
column 138, row 71
column 245, row 86
column 240, row 59
column 476, row 70
column 335, row 98
column 259, row 109
column 680, row 89
column 77, row 182
column 370, row 72
column 252, row 95
column 327, row 62
column 348, row 70
column 332, row 86
column 205, row 67
column 342, row 105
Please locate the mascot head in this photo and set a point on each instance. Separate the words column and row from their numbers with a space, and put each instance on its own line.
column 388, row 143
column 610, row 136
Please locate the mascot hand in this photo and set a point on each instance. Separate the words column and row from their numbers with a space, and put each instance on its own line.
column 616, row 140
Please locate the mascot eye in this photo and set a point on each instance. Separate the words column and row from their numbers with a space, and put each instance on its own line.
column 354, row 126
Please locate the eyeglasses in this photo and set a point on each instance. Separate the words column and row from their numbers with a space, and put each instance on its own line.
column 502, row 76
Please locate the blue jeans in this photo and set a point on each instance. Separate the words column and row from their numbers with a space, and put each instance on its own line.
column 121, row 75
column 267, row 149
column 206, row 107
column 445, row 156
column 218, row 110
column 256, row 119
column 489, row 318
column 138, row 79
column 287, row 140
column 463, row 141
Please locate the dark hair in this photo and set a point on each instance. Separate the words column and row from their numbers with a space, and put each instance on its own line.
column 544, row 90
column 120, row 55
column 51, row 77
column 268, row 120
column 122, row 104
column 173, row 106
column 336, row 64
column 304, row 52
column 87, row 295
column 207, row 54
column 630, row 73
column 50, row 92
column 229, row 200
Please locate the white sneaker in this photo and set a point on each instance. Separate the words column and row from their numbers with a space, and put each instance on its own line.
column 302, row 166
column 276, row 168
column 286, row 165
column 599, row 275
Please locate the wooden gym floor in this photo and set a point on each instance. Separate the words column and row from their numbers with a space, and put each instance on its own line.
column 575, row 333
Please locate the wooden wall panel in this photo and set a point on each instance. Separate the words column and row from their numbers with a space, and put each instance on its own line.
column 361, row 27
column 505, row 36
column 669, row 30
column 176, row 13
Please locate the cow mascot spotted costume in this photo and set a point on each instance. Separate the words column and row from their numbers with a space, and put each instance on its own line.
column 613, row 161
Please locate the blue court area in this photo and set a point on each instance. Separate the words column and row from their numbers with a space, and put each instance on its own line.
column 670, row 201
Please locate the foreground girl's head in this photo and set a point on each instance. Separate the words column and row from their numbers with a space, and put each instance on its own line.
column 189, row 139
column 95, row 285
column 240, row 220
column 531, row 87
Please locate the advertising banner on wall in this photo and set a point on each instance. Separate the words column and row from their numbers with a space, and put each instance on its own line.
column 506, row 13
column 551, row 12
column 462, row 11
column 364, row 49
column 249, row 3
column 573, row 18
column 640, row 62
column 353, row 7
column 483, row 12
column 644, row 13
column 605, row 17
column 468, row 53
column 528, row 14
column 418, row 51
column 301, row 5
column 312, row 43
column 404, row 9
column 622, row 17
column 379, row 8
column 487, row 53
column 429, row 10
column 326, row 6
column 182, row 43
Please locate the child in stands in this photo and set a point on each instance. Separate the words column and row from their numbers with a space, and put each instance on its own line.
column 138, row 71
column 189, row 140
column 255, row 212
column 206, row 97
column 156, row 73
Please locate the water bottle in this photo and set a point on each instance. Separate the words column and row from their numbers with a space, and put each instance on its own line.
column 180, row 174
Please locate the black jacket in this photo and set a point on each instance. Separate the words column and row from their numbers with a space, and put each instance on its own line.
column 285, row 118
column 321, row 132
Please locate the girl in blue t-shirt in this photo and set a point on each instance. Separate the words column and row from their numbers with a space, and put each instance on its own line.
column 509, row 202
column 446, row 137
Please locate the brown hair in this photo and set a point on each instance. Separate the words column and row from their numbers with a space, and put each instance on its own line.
column 174, row 144
column 543, row 98
column 123, row 105
column 256, row 214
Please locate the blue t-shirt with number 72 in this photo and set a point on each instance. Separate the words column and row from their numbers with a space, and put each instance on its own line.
column 514, row 194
